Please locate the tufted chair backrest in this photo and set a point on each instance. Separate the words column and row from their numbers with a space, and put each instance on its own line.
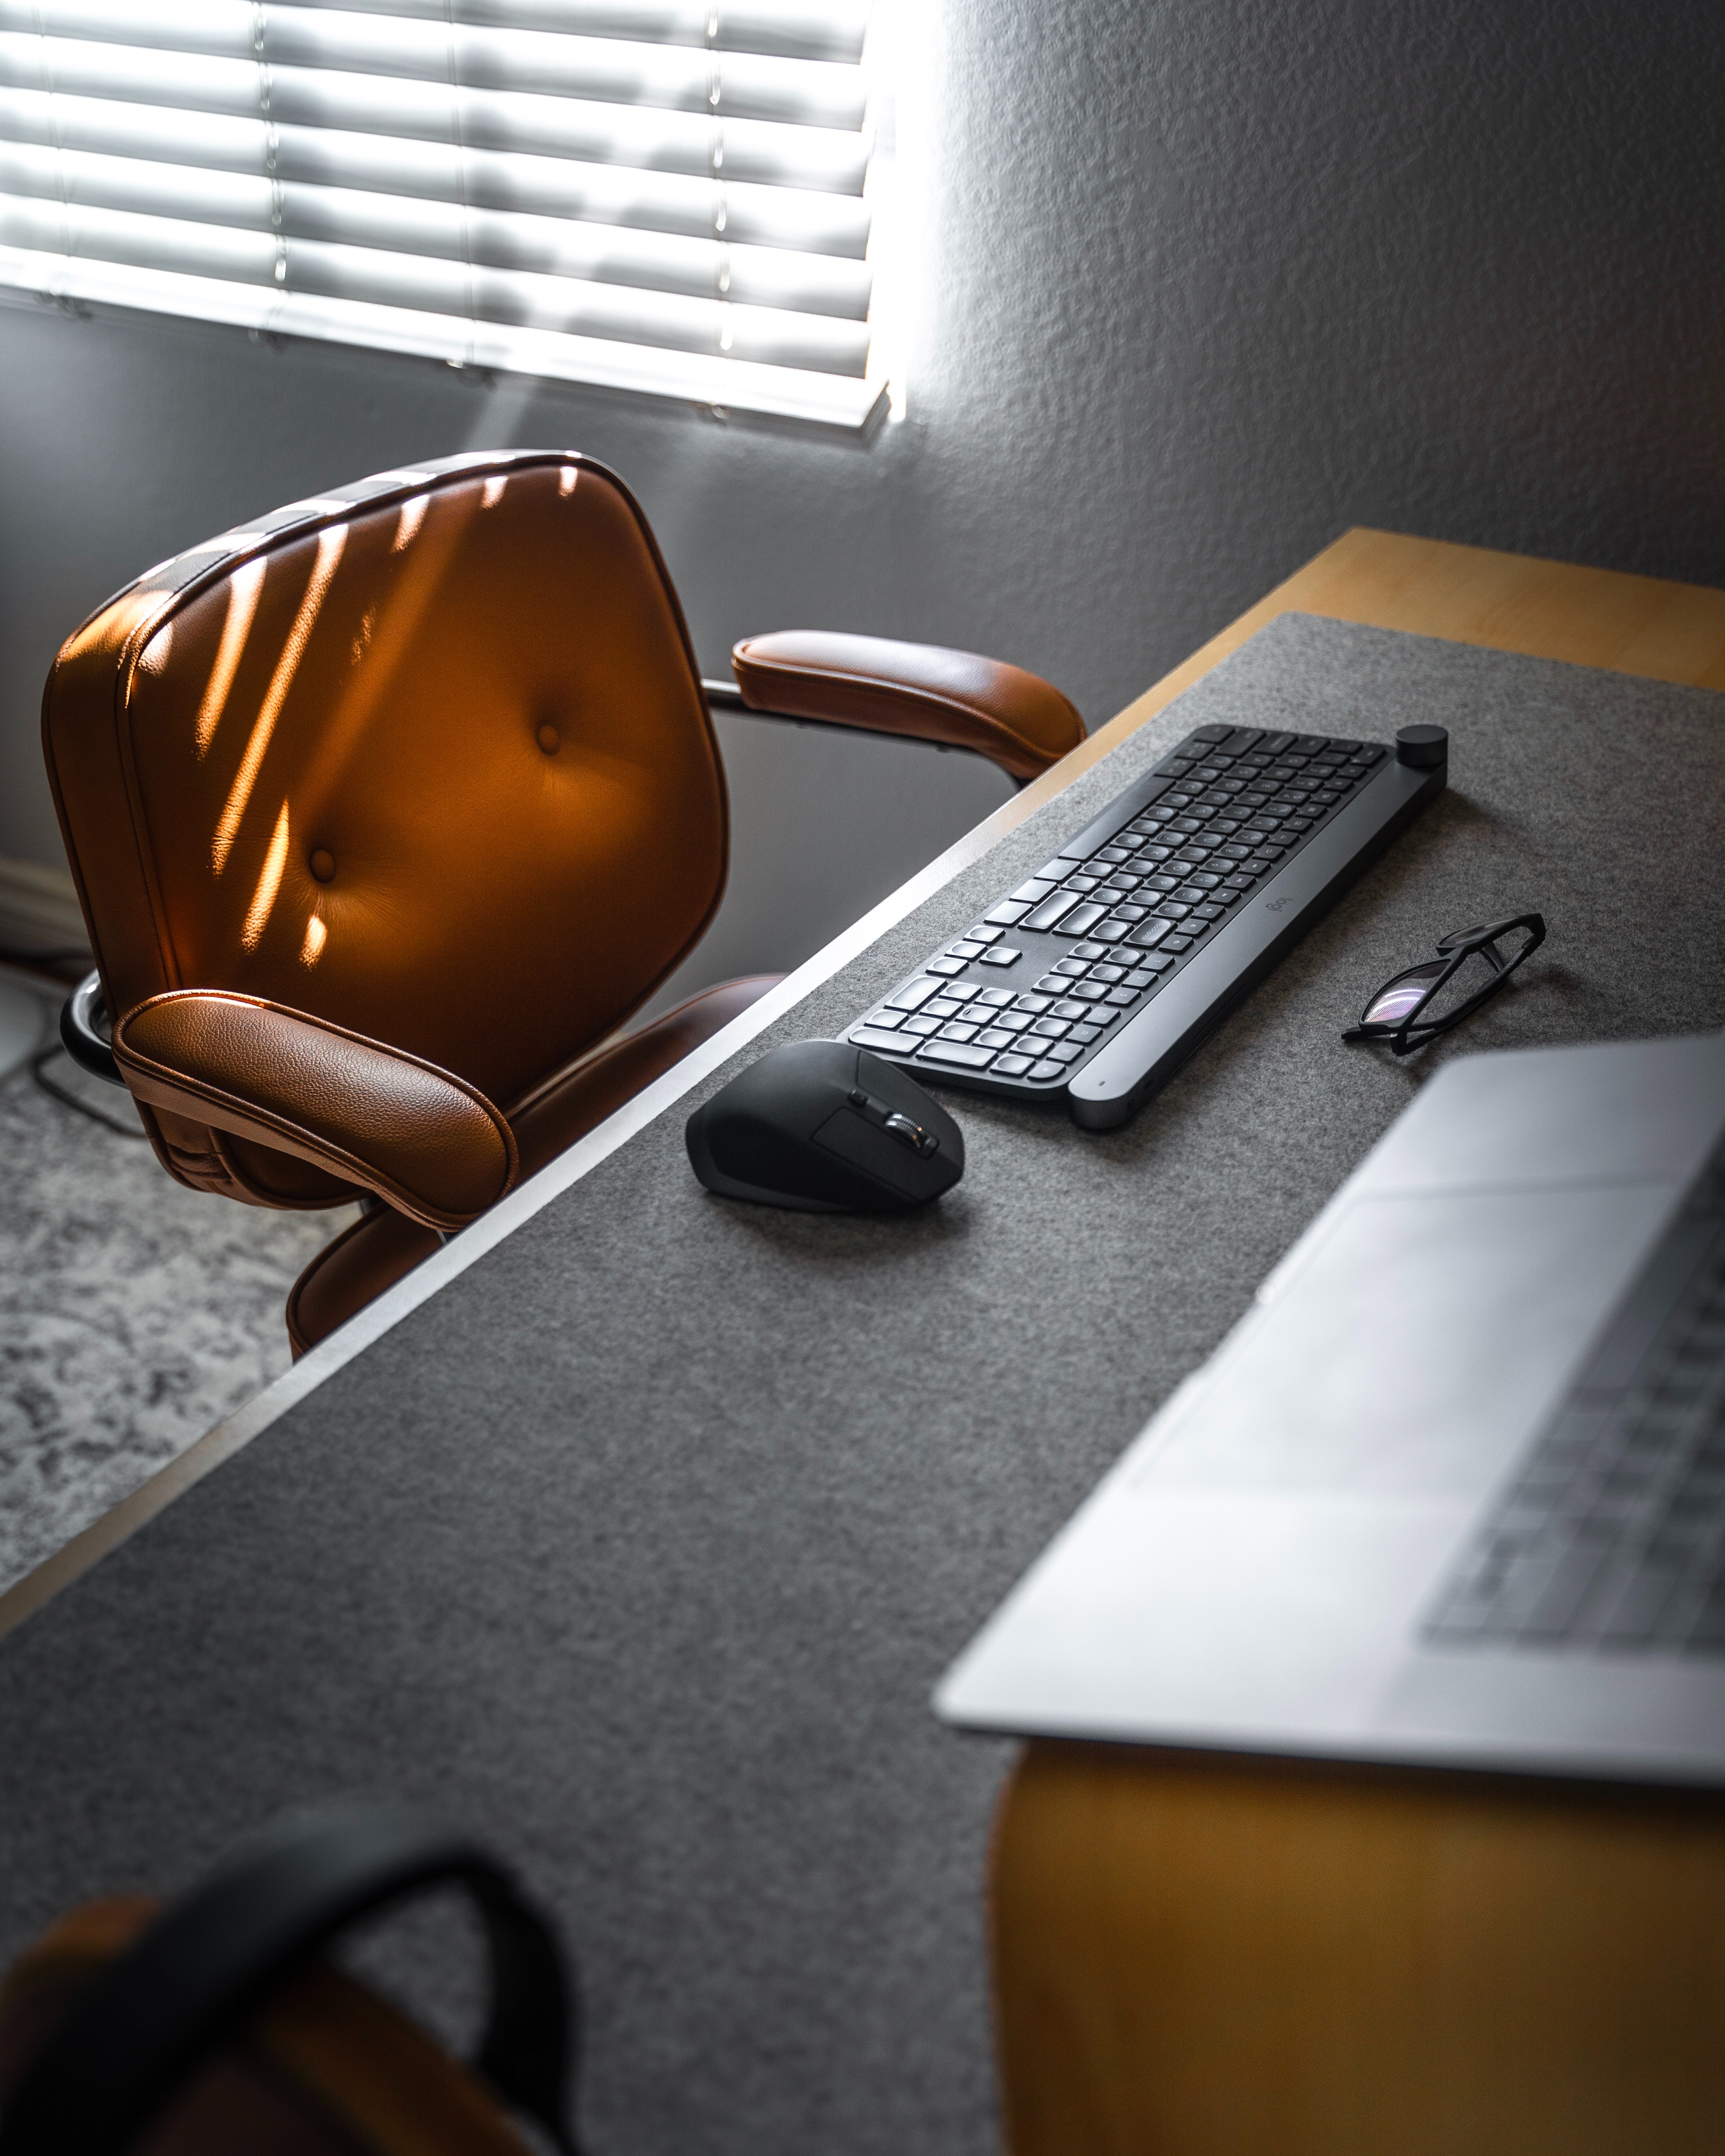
column 429, row 758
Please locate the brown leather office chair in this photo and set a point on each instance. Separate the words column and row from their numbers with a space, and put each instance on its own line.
column 387, row 811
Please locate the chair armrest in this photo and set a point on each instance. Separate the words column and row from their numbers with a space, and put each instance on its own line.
column 1017, row 720
column 431, row 1146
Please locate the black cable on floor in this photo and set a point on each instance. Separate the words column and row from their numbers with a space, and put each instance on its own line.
column 43, row 1056
column 39, row 1071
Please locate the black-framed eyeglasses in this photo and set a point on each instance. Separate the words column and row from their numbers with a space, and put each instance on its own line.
column 1417, row 1005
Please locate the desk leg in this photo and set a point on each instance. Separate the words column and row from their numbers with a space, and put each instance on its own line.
column 1202, row 1958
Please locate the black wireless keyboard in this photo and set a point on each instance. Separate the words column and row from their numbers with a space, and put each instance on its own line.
column 1094, row 981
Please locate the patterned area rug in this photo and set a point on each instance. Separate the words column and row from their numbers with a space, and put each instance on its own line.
column 133, row 1314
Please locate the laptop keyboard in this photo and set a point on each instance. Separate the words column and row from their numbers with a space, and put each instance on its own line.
column 1613, row 1536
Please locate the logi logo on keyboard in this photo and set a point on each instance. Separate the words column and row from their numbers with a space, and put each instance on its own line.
column 1277, row 905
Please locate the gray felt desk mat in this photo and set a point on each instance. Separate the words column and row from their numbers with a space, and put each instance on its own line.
column 639, row 1548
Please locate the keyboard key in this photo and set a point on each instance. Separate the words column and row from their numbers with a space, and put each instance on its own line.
column 1633, row 1613
column 1013, row 1021
column 1089, row 992
column 994, row 1037
column 1000, row 999
column 943, row 1006
column 1033, row 893
column 1089, row 951
column 1100, row 1014
column 1141, row 977
column 1050, row 910
column 980, row 935
column 1108, row 974
column 1147, row 933
column 1012, row 1066
column 1130, row 912
column 1082, row 919
column 1112, row 931
column 1043, row 1071
column 965, row 1056
column 1069, row 1006
column 925, row 1025
column 965, row 950
column 1086, row 1036
column 1062, row 1051
column 1050, row 1028
column 957, row 1032
column 1122, row 998
column 885, row 1044
column 946, row 965
column 1001, row 955
column 1209, row 913
column 960, row 992
column 1053, row 984
column 1007, row 915
column 1176, row 943
column 1033, row 1003
column 914, row 996
column 1171, row 909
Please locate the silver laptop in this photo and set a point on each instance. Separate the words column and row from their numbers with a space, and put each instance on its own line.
column 1453, row 1489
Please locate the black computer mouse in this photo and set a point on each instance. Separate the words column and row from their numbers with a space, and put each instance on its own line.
column 820, row 1127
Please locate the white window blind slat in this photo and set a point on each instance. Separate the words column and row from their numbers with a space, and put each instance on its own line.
column 673, row 79
column 652, row 140
column 639, row 193
column 809, row 222
column 786, row 29
column 790, row 29
column 510, row 298
column 695, row 376
column 768, row 277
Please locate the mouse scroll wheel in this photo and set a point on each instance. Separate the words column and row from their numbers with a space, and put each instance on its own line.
column 912, row 1135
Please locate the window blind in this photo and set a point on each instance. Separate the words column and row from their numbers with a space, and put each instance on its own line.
column 662, row 195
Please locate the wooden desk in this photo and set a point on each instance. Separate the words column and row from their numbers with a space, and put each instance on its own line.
column 1203, row 1958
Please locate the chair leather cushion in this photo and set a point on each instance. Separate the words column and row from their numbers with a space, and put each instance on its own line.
column 1020, row 722
column 434, row 765
column 376, row 1251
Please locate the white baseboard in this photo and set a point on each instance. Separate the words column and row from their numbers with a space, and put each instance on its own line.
column 38, row 909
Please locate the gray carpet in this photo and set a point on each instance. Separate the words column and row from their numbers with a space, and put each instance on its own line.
column 133, row 1314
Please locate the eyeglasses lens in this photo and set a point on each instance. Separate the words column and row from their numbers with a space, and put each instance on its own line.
column 1393, row 1003
column 1475, row 973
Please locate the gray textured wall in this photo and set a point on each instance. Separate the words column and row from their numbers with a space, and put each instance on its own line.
column 1210, row 282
